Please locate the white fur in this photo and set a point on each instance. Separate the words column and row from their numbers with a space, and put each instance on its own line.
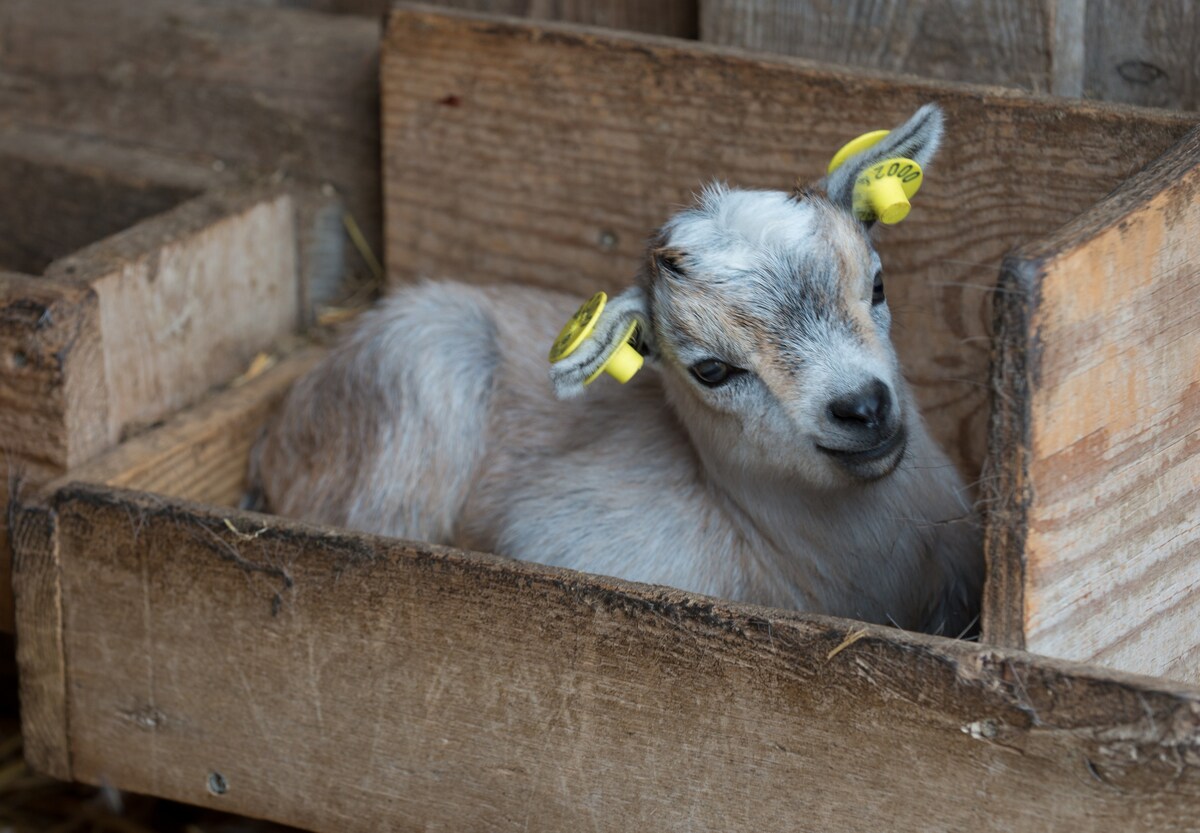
column 436, row 420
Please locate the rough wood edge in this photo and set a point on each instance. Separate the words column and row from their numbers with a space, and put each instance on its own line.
column 41, row 659
column 1005, row 486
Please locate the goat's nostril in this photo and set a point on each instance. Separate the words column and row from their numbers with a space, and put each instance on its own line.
column 868, row 407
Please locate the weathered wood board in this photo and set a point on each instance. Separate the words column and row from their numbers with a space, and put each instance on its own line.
column 1097, row 432
column 955, row 40
column 237, row 90
column 547, row 154
column 341, row 683
column 1138, row 53
column 1144, row 53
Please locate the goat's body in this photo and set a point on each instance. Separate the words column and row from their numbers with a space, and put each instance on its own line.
column 436, row 421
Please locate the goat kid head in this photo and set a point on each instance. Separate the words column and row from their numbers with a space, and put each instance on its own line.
column 764, row 313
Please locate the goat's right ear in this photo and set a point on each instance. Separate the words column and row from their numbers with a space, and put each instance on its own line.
column 577, row 364
column 917, row 139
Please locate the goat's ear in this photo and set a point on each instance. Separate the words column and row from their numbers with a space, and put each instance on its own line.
column 569, row 374
column 917, row 139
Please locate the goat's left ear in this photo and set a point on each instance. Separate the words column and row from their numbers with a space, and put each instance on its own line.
column 917, row 139
column 577, row 368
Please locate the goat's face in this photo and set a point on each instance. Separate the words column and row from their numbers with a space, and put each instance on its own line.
column 767, row 320
column 771, row 330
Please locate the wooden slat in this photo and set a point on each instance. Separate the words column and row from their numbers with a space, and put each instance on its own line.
column 187, row 298
column 201, row 454
column 344, row 683
column 1102, row 321
column 546, row 154
column 1144, row 53
column 986, row 42
column 236, row 89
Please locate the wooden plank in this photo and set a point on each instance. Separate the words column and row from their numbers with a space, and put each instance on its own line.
column 201, row 454
column 568, row 147
column 186, row 299
column 341, row 682
column 982, row 41
column 40, row 660
column 245, row 90
column 1104, row 318
column 1144, row 53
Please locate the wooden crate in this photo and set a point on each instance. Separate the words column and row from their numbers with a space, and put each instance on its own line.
column 124, row 299
column 172, row 644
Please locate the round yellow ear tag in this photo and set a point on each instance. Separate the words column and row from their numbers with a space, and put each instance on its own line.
column 622, row 364
column 883, row 192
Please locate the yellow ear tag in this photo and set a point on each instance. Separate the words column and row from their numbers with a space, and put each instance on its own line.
column 624, row 361
column 883, row 191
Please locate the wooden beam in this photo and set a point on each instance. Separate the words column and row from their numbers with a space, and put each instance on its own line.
column 1097, row 432
column 341, row 682
column 499, row 169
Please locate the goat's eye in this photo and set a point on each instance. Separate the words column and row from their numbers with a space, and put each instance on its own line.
column 711, row 372
column 877, row 289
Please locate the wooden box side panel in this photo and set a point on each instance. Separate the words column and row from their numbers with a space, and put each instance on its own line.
column 340, row 682
column 188, row 298
column 547, row 154
column 1111, row 575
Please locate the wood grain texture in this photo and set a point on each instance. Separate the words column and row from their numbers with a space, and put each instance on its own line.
column 1107, row 445
column 201, row 454
column 243, row 90
column 40, row 658
column 546, row 154
column 1144, row 53
column 186, row 299
column 983, row 41
column 341, row 682
column 1137, row 53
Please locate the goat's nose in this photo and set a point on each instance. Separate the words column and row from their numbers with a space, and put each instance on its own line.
column 867, row 407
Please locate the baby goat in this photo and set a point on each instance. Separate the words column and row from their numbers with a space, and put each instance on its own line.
column 775, row 455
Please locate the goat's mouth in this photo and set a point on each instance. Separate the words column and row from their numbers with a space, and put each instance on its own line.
column 874, row 462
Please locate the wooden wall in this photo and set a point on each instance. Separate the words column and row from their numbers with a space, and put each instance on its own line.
column 1140, row 53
